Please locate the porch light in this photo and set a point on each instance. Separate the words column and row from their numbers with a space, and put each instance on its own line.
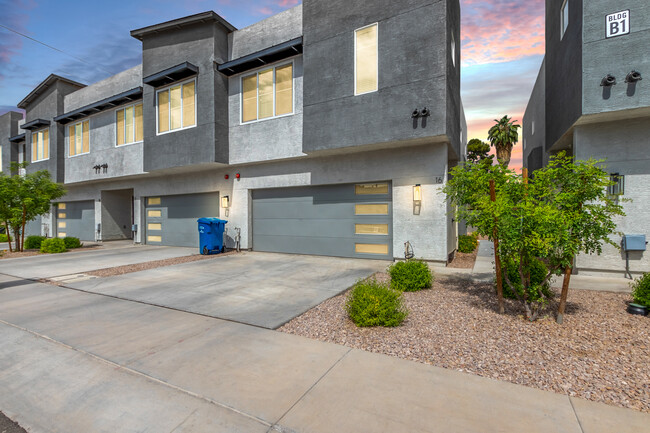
column 225, row 202
column 417, row 199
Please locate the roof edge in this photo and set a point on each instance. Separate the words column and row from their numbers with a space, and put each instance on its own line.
column 43, row 86
column 188, row 20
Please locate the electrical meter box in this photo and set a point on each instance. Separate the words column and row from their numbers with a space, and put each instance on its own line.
column 634, row 243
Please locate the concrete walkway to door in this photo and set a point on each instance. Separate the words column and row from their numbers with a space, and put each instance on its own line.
column 80, row 362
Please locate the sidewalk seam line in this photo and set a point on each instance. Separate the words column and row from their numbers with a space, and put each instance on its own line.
column 138, row 373
column 576, row 414
column 311, row 387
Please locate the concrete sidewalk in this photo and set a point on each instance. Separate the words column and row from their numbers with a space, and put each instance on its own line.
column 484, row 271
column 80, row 362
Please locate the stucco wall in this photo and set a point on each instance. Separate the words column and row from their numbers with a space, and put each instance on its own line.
column 268, row 139
column 534, row 125
column 625, row 146
column 272, row 31
column 404, row 167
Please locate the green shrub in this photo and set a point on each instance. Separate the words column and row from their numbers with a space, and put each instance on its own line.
column 641, row 292
column 410, row 276
column 71, row 242
column 538, row 272
column 34, row 242
column 53, row 246
column 375, row 304
column 4, row 237
column 467, row 243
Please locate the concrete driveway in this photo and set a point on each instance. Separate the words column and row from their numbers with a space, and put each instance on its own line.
column 261, row 289
column 79, row 261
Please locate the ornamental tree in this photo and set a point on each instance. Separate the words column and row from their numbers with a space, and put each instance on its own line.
column 562, row 212
column 24, row 198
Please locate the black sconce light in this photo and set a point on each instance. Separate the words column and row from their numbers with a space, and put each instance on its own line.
column 105, row 167
column 608, row 81
column 633, row 77
column 425, row 112
column 415, row 114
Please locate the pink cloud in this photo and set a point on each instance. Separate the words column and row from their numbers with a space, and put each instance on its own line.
column 287, row 3
column 264, row 10
column 501, row 30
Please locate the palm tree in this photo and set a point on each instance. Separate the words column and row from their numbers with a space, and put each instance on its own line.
column 503, row 136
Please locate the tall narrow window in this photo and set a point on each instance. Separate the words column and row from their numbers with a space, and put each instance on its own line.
column 40, row 145
column 177, row 107
column 366, row 65
column 78, row 138
column 268, row 93
column 453, row 50
column 129, row 124
column 564, row 18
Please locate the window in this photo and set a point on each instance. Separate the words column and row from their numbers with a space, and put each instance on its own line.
column 371, row 188
column 532, row 128
column 176, row 108
column 371, row 249
column 618, row 185
column 453, row 50
column 564, row 18
column 268, row 93
column 366, row 60
column 371, row 209
column 41, row 145
column 78, row 138
column 129, row 125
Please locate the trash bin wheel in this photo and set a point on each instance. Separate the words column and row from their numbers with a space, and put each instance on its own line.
column 205, row 251
column 223, row 249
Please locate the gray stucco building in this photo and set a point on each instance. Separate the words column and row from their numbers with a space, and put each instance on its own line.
column 592, row 100
column 299, row 130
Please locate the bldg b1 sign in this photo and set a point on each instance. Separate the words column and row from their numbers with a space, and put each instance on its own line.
column 618, row 24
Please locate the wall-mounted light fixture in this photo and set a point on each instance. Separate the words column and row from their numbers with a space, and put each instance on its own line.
column 633, row 77
column 608, row 80
column 417, row 199
column 225, row 203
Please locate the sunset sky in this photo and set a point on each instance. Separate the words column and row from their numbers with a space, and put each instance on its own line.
column 502, row 46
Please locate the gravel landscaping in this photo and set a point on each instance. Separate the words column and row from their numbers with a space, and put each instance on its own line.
column 601, row 353
column 120, row 270
column 463, row 260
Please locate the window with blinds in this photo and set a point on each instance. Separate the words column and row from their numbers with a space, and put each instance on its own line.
column 40, row 145
column 79, row 138
column 176, row 106
column 268, row 93
column 129, row 125
column 366, row 60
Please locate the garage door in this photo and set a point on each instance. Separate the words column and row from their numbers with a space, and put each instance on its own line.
column 352, row 220
column 171, row 220
column 76, row 219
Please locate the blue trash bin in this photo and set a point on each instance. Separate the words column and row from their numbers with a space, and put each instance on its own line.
column 211, row 235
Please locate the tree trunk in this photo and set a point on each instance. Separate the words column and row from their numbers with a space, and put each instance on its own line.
column 22, row 240
column 497, row 259
column 8, row 236
column 503, row 154
column 17, row 239
column 565, row 294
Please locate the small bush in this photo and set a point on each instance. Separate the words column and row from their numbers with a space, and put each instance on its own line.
column 53, row 246
column 467, row 243
column 71, row 242
column 641, row 292
column 375, row 304
column 410, row 276
column 4, row 237
column 538, row 272
column 34, row 242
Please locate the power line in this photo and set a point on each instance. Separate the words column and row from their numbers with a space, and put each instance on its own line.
column 56, row 49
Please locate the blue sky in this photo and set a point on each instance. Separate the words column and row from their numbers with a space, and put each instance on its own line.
column 502, row 45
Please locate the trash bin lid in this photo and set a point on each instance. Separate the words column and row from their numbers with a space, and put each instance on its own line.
column 211, row 220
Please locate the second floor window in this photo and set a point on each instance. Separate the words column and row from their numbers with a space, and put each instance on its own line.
column 366, row 60
column 176, row 107
column 79, row 138
column 129, row 125
column 40, row 145
column 564, row 18
column 267, row 93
